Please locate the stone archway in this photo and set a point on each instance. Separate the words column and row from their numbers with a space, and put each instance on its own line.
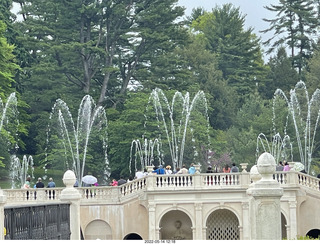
column 132, row 236
column 175, row 225
column 222, row 224
column 98, row 229
column 314, row 233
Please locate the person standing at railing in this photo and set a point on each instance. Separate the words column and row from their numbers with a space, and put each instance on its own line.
column 192, row 169
column 168, row 170
column 183, row 170
column 226, row 169
column 160, row 170
column 27, row 183
column 114, row 183
column 210, row 178
column 286, row 167
column 279, row 167
column 39, row 183
column 51, row 183
column 234, row 168
column 139, row 174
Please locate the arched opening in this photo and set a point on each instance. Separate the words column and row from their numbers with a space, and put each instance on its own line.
column 314, row 233
column 98, row 229
column 132, row 236
column 283, row 227
column 175, row 225
column 222, row 224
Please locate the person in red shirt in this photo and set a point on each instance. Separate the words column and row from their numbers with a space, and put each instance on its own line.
column 226, row 169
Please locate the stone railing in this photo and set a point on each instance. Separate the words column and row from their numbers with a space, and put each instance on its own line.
column 308, row 181
column 113, row 194
column 133, row 187
column 18, row 196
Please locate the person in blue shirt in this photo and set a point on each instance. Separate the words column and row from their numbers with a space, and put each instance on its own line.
column 51, row 184
column 160, row 170
column 192, row 169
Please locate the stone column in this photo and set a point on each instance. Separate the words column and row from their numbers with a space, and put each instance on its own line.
column 3, row 199
column 292, row 220
column 265, row 201
column 152, row 221
column 197, row 233
column 245, row 222
column 72, row 196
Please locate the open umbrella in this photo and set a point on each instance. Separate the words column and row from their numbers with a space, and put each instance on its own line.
column 298, row 166
column 89, row 179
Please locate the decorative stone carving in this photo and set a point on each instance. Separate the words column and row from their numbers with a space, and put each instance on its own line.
column 254, row 174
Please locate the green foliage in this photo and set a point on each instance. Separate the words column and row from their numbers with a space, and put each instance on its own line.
column 238, row 51
column 253, row 118
column 124, row 127
column 307, row 238
column 295, row 27
column 281, row 75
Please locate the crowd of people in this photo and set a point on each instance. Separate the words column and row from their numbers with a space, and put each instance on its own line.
column 39, row 183
column 160, row 170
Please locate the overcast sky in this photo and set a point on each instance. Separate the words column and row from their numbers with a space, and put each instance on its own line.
column 253, row 9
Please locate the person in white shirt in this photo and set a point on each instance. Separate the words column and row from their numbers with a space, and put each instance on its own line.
column 168, row 170
column 139, row 174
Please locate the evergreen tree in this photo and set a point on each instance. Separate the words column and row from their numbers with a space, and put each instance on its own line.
column 281, row 75
column 295, row 25
column 237, row 50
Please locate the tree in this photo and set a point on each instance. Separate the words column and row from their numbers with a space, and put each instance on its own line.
column 71, row 48
column 205, row 75
column 254, row 117
column 108, row 40
column 7, row 64
column 237, row 50
column 281, row 75
column 313, row 75
column 295, row 25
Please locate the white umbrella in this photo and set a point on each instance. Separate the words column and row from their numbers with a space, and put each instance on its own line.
column 89, row 179
column 298, row 166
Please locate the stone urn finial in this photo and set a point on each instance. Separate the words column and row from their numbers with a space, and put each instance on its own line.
column 254, row 174
column 266, row 166
column 69, row 178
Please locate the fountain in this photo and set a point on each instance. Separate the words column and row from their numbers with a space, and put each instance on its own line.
column 145, row 152
column 8, row 110
column 305, row 115
column 179, row 121
column 19, row 171
column 74, row 141
column 280, row 148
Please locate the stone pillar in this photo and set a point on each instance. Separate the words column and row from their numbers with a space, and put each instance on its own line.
column 152, row 221
column 265, row 201
column 72, row 196
column 3, row 199
column 292, row 220
column 197, row 233
column 245, row 222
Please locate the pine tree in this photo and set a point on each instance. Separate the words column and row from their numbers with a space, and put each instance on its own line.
column 294, row 27
column 237, row 50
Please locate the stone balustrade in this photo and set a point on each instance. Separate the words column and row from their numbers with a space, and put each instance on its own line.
column 160, row 183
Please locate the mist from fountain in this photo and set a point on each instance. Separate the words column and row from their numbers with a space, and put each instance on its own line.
column 175, row 120
column 20, row 170
column 91, row 121
column 305, row 114
column 143, row 152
